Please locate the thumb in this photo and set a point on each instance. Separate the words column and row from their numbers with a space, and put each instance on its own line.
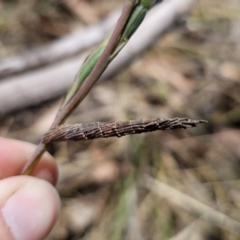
column 29, row 208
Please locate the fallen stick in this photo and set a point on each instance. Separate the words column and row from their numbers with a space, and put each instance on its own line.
column 52, row 81
column 60, row 49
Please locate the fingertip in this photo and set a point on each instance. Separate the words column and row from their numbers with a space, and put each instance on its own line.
column 30, row 207
column 14, row 155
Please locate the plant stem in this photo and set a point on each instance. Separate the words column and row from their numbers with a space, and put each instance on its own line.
column 99, row 68
column 97, row 71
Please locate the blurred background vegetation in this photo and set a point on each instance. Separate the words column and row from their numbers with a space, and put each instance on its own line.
column 162, row 185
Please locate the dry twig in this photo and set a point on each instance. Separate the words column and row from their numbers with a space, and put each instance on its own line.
column 192, row 205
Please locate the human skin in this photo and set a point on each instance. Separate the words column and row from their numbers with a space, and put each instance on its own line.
column 29, row 204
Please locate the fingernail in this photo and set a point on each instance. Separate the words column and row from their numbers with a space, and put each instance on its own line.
column 31, row 211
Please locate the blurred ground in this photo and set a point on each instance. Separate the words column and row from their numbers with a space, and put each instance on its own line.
column 192, row 71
